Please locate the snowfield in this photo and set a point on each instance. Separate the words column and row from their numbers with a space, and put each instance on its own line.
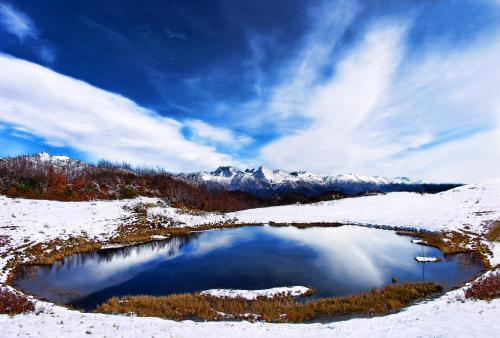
column 472, row 208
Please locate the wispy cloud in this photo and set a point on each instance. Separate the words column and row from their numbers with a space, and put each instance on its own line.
column 20, row 25
column 337, row 107
column 172, row 34
column 382, row 111
column 16, row 22
column 204, row 133
column 72, row 113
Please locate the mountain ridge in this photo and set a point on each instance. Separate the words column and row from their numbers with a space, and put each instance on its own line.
column 266, row 182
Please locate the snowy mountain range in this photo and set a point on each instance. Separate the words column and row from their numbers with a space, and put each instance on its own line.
column 263, row 182
column 266, row 182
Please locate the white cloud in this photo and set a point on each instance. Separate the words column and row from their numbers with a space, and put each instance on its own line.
column 20, row 25
column 16, row 22
column 329, row 21
column 386, row 114
column 67, row 112
column 338, row 106
column 204, row 133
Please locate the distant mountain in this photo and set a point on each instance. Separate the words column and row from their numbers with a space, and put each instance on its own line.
column 43, row 176
column 268, row 183
column 44, row 160
column 225, row 189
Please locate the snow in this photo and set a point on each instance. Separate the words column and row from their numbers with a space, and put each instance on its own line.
column 254, row 294
column 34, row 221
column 278, row 176
column 266, row 182
column 186, row 219
column 418, row 241
column 446, row 316
column 469, row 208
column 424, row 259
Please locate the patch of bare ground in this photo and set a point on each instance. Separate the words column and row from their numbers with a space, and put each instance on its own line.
column 4, row 240
column 493, row 234
column 280, row 309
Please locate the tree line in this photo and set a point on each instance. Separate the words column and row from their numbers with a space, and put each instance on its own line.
column 31, row 177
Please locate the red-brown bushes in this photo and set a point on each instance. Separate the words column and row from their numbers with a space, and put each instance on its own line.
column 11, row 303
column 486, row 288
column 31, row 177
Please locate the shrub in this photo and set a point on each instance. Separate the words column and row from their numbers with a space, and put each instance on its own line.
column 486, row 288
column 494, row 233
column 12, row 303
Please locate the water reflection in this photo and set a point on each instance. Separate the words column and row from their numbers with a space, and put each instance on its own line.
column 90, row 272
column 335, row 261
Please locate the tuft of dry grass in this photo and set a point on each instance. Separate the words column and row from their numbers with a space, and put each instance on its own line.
column 48, row 253
column 12, row 303
column 486, row 288
column 279, row 309
column 493, row 234
column 448, row 242
column 453, row 242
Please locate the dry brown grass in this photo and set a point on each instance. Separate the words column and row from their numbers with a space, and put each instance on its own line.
column 448, row 242
column 280, row 309
column 453, row 242
column 493, row 234
column 307, row 225
column 48, row 253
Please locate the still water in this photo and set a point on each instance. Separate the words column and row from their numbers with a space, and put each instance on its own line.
column 334, row 261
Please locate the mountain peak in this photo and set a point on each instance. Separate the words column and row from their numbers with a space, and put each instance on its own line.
column 267, row 182
column 44, row 156
column 225, row 171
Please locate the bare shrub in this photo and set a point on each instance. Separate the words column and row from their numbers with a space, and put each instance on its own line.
column 12, row 303
column 486, row 288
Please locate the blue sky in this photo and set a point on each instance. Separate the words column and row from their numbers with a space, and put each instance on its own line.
column 392, row 88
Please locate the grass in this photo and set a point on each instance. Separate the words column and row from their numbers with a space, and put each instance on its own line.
column 493, row 235
column 448, row 242
column 12, row 303
column 307, row 225
column 48, row 253
column 453, row 242
column 486, row 288
column 279, row 309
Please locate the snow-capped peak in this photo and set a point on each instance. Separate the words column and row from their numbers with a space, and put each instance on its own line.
column 43, row 156
column 265, row 181
column 226, row 171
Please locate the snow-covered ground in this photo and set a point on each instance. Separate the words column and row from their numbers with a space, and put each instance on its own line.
column 254, row 294
column 469, row 208
column 443, row 317
column 424, row 259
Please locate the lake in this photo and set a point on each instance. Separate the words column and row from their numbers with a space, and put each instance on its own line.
column 333, row 260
